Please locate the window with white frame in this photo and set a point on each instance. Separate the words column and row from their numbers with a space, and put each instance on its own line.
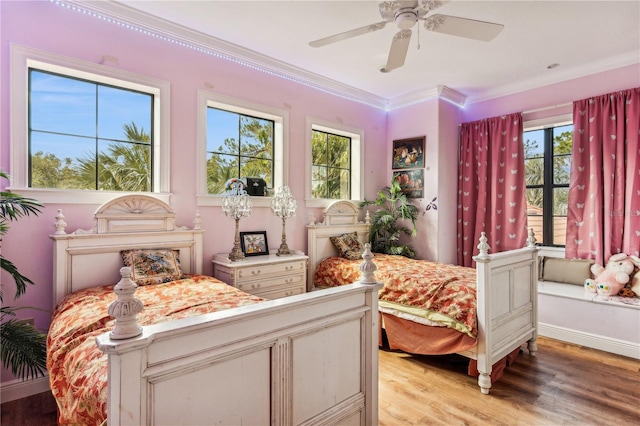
column 548, row 168
column 334, row 163
column 238, row 140
column 84, row 132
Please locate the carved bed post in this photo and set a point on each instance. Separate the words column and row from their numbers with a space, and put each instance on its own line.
column 368, row 267
column 125, row 308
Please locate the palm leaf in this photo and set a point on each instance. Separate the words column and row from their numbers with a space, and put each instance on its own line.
column 21, row 280
column 23, row 349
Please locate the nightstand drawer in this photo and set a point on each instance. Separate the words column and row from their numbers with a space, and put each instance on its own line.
column 259, row 285
column 254, row 272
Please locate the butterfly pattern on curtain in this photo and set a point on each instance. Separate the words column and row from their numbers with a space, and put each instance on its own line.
column 491, row 186
column 603, row 215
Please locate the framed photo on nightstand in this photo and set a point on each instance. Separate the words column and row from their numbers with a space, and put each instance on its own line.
column 254, row 243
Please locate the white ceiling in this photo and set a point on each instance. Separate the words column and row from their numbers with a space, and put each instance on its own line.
column 583, row 37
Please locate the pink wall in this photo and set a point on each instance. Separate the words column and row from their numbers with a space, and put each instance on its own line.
column 414, row 121
column 45, row 26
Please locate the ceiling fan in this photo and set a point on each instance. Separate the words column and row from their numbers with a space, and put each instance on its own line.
column 405, row 14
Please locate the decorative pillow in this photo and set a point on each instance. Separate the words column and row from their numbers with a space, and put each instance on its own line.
column 348, row 245
column 568, row 271
column 153, row 266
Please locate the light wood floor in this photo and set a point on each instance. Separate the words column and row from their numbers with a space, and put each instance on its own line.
column 563, row 385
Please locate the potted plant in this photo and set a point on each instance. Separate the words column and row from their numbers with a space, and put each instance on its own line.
column 23, row 348
column 388, row 222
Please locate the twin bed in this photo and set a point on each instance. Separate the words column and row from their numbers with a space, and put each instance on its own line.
column 252, row 362
column 431, row 308
column 210, row 354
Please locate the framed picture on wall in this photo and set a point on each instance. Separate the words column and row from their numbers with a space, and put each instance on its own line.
column 411, row 182
column 408, row 153
column 254, row 243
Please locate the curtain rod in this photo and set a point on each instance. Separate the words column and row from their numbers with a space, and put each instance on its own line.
column 547, row 108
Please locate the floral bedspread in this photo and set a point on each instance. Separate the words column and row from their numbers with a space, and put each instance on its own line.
column 78, row 369
column 428, row 292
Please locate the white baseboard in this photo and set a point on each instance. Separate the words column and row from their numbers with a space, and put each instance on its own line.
column 619, row 347
column 16, row 389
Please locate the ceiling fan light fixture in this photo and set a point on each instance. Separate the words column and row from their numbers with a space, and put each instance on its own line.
column 406, row 19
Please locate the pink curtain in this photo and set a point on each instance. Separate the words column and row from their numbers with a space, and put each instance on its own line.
column 491, row 186
column 604, row 191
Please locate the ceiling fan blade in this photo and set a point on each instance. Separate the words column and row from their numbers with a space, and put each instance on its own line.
column 462, row 27
column 347, row 34
column 398, row 51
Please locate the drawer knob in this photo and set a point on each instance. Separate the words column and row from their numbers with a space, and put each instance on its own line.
column 288, row 280
column 255, row 286
column 256, row 272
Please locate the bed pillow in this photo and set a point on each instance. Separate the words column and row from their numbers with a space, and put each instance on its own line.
column 348, row 246
column 153, row 266
column 568, row 271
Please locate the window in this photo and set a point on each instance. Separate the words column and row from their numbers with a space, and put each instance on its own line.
column 84, row 133
column 331, row 166
column 238, row 139
column 548, row 165
column 238, row 146
column 80, row 137
column 334, row 163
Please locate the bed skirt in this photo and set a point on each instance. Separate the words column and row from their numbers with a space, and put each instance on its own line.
column 408, row 336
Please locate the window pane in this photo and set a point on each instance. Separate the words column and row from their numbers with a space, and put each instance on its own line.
column 534, row 169
column 560, row 201
column 220, row 168
column 55, row 160
column 256, row 138
column 535, row 222
column 319, row 148
column 123, row 114
column 561, row 169
column 562, row 139
column 62, row 105
column 535, row 201
column 319, row 187
column 345, row 178
column 338, row 151
column 534, row 143
column 124, row 166
column 222, row 131
column 559, row 230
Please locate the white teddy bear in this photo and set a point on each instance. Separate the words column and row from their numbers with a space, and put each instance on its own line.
column 610, row 280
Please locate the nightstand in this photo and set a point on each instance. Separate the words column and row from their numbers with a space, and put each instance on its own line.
column 269, row 276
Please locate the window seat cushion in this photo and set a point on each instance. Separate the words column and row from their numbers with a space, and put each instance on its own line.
column 571, row 291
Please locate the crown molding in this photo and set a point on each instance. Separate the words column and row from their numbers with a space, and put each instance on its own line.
column 127, row 17
column 556, row 76
column 440, row 92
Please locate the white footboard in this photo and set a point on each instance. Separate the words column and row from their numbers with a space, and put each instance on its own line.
column 506, row 307
column 309, row 359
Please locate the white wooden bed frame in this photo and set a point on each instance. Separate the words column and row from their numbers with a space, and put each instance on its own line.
column 309, row 359
column 506, row 287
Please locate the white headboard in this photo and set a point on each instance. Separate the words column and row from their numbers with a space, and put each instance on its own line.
column 88, row 258
column 340, row 217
